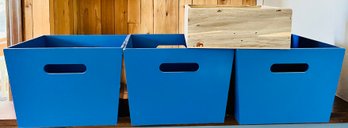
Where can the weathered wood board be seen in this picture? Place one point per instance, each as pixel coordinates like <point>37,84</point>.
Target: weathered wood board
<point>238,27</point>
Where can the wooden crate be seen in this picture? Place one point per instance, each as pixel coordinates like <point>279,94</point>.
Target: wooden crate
<point>238,27</point>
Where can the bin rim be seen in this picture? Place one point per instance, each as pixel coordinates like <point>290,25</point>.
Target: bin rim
<point>123,44</point>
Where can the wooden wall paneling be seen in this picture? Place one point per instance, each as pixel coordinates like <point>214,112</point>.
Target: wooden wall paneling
<point>182,4</point>
<point>27,19</point>
<point>230,2</point>
<point>108,16</point>
<point>146,16</point>
<point>41,14</point>
<point>166,14</point>
<point>224,2</point>
<point>76,10</point>
<point>62,16</point>
<point>52,5</point>
<point>89,17</point>
<point>249,2</point>
<point>204,2</point>
<point>237,2</point>
<point>134,16</point>
<point>121,16</point>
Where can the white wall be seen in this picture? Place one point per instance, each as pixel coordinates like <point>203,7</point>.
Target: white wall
<point>311,18</point>
<point>323,20</point>
<point>341,39</point>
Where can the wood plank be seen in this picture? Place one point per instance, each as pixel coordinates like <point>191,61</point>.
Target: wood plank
<point>182,4</point>
<point>239,28</point>
<point>41,17</point>
<point>76,11</point>
<point>121,16</point>
<point>108,16</point>
<point>249,2</point>
<point>134,16</point>
<point>237,2</point>
<point>166,14</point>
<point>204,2</point>
<point>62,16</point>
<point>146,17</point>
<point>230,2</point>
<point>224,2</point>
<point>27,19</point>
<point>133,28</point>
<point>8,124</point>
<point>51,15</point>
<point>89,17</point>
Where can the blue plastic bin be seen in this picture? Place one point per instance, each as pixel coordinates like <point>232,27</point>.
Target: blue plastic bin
<point>287,86</point>
<point>66,80</point>
<point>175,85</point>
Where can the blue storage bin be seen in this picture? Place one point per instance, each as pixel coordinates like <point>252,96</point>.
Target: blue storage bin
<point>66,80</point>
<point>287,86</point>
<point>175,85</point>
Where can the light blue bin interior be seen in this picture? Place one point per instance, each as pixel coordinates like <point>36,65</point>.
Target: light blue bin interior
<point>287,86</point>
<point>175,85</point>
<point>66,80</point>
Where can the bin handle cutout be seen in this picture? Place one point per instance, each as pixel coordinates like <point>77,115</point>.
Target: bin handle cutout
<point>65,68</point>
<point>179,67</point>
<point>286,68</point>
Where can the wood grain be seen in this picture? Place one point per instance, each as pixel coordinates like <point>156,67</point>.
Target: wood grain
<point>220,27</point>
<point>27,19</point>
<point>166,14</point>
<point>249,2</point>
<point>182,4</point>
<point>89,17</point>
<point>134,16</point>
<point>107,16</point>
<point>230,2</point>
<point>204,2</point>
<point>62,16</point>
<point>41,13</point>
<point>121,16</point>
<point>147,17</point>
